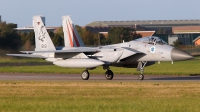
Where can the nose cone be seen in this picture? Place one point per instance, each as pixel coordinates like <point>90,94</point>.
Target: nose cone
<point>178,55</point>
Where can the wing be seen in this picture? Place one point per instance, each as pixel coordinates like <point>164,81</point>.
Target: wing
<point>65,53</point>
<point>26,55</point>
<point>77,50</point>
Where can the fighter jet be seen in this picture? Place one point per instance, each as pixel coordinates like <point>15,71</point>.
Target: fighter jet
<point>133,54</point>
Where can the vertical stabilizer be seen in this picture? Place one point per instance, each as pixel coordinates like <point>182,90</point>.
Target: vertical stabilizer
<point>71,36</point>
<point>42,39</point>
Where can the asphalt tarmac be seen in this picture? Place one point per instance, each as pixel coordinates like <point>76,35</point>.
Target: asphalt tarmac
<point>77,77</point>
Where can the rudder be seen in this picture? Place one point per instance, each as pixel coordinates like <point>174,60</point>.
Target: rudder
<point>42,39</point>
<point>71,36</point>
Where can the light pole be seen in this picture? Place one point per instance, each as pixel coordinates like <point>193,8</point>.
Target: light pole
<point>99,38</point>
<point>121,37</point>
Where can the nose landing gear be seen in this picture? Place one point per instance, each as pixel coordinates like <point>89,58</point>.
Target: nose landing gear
<point>140,68</point>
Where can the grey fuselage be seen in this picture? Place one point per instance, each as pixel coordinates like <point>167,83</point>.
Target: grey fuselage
<point>126,54</point>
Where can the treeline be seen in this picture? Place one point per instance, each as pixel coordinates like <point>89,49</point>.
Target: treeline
<point>11,40</point>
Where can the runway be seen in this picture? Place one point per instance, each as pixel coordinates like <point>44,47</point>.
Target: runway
<point>77,77</point>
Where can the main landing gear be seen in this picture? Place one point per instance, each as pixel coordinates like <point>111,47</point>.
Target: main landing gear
<point>109,74</point>
<point>85,75</point>
<point>141,66</point>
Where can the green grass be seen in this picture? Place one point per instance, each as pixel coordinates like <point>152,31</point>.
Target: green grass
<point>20,60</point>
<point>105,96</point>
<point>190,67</point>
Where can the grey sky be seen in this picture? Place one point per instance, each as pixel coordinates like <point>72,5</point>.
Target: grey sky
<point>86,11</point>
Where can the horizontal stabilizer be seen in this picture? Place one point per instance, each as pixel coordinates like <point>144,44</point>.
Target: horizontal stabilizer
<point>26,55</point>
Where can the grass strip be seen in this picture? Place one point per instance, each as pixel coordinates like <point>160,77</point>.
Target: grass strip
<point>93,96</point>
<point>20,60</point>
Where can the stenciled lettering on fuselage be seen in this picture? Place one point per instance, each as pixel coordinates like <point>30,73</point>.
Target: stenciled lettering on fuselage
<point>41,37</point>
<point>152,49</point>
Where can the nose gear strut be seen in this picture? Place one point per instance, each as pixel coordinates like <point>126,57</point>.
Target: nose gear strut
<point>140,68</point>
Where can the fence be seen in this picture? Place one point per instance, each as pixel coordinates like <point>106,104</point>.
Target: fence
<point>193,50</point>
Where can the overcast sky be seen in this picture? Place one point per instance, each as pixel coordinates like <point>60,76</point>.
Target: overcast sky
<point>86,11</point>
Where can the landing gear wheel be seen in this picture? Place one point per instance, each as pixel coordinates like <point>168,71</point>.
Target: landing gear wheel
<point>85,75</point>
<point>141,77</point>
<point>109,75</point>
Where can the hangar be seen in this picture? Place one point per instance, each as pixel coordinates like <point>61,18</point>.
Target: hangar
<point>30,28</point>
<point>185,31</point>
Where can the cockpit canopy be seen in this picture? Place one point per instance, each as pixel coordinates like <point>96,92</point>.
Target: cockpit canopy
<point>152,40</point>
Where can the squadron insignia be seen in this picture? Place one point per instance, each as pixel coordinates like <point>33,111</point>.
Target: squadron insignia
<point>152,49</point>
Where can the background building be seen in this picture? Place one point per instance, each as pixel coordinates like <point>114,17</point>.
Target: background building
<point>30,28</point>
<point>184,31</point>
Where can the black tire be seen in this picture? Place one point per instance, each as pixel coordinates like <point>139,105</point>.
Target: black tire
<point>141,77</point>
<point>109,75</point>
<point>85,75</point>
